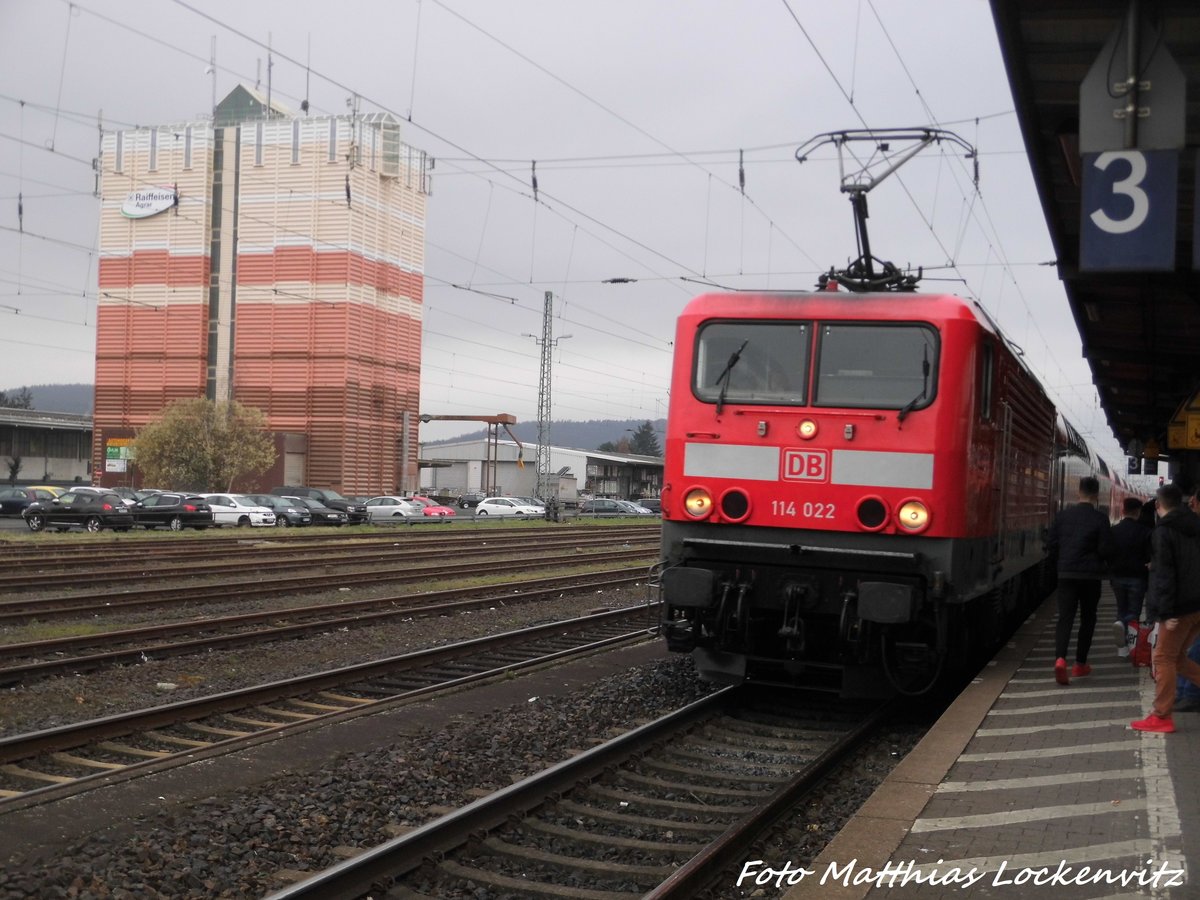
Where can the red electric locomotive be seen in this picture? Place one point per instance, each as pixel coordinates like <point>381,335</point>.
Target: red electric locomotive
<point>856,488</point>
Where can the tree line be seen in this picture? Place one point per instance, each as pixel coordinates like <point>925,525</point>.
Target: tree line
<point>643,443</point>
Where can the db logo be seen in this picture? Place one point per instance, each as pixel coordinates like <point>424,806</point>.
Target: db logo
<point>806,465</point>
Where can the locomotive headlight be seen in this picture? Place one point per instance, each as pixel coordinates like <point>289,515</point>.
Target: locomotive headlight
<point>913,516</point>
<point>807,429</point>
<point>698,503</point>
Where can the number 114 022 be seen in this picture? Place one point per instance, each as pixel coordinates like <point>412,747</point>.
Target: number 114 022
<point>806,510</point>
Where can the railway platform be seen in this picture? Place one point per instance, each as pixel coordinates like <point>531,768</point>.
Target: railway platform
<point>1026,789</point>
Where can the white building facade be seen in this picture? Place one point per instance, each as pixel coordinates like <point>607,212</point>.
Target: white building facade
<point>457,468</point>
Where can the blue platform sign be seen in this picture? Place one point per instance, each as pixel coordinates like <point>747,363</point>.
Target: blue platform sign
<point>1128,212</point>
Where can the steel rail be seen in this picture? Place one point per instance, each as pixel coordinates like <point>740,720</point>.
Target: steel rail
<point>63,737</point>
<point>698,873</point>
<point>192,544</point>
<point>371,873</point>
<point>364,613</point>
<point>215,747</point>
<point>264,554</point>
<point>373,869</point>
<point>15,611</point>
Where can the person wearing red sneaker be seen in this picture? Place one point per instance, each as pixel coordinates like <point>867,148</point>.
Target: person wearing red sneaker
<point>1080,543</point>
<point>1174,602</point>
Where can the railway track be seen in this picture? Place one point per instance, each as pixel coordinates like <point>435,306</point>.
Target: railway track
<point>658,812</point>
<point>22,662</point>
<point>104,603</point>
<point>266,554</point>
<point>57,762</point>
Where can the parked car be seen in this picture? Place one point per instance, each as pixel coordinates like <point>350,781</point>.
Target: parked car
<point>128,494</point>
<point>508,506</point>
<point>234,509</point>
<point>52,488</point>
<point>601,508</point>
<point>654,504</point>
<point>173,510</point>
<point>82,509</point>
<point>430,507</point>
<point>356,513</point>
<point>14,500</point>
<point>471,499</point>
<point>634,509</point>
<point>321,514</point>
<point>288,513</point>
<point>391,509</point>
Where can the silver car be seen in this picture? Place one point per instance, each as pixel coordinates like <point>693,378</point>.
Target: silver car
<point>392,509</point>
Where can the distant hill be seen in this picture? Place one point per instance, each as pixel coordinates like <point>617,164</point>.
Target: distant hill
<point>65,398</point>
<point>581,435</point>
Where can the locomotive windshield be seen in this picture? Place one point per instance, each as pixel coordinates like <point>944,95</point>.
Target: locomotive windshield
<point>877,366</point>
<point>752,362</point>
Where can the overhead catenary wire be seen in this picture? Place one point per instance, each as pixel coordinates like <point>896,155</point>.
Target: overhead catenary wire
<point>992,234</point>
<point>665,277</point>
<point>562,203</point>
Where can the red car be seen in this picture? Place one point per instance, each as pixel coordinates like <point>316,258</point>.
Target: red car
<point>431,507</point>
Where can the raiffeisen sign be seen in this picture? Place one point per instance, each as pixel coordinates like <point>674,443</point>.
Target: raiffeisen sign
<point>147,202</point>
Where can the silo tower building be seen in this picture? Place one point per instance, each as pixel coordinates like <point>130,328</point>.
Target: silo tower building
<point>271,259</point>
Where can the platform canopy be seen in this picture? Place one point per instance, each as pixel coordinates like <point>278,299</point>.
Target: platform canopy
<point>1140,329</point>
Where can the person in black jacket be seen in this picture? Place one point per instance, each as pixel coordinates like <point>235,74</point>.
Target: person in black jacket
<point>1080,541</point>
<point>1129,568</point>
<point>1174,604</point>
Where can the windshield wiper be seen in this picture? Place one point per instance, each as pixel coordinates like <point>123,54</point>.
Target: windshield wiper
<point>724,376</point>
<point>911,404</point>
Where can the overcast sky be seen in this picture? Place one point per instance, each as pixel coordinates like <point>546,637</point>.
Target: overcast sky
<point>635,111</point>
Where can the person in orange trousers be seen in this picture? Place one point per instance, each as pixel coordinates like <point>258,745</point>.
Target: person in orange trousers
<point>1174,603</point>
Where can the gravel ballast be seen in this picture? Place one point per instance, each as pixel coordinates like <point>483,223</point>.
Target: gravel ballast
<point>62,701</point>
<point>234,846</point>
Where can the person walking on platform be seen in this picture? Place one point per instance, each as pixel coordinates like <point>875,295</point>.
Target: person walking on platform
<point>1174,603</point>
<point>1130,569</point>
<point>1080,541</point>
<point>1187,695</point>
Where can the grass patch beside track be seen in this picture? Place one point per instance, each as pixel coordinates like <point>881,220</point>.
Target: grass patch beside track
<point>49,631</point>
<point>230,532</point>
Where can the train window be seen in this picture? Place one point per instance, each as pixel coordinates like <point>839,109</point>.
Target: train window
<point>877,366</point>
<point>985,381</point>
<point>752,362</point>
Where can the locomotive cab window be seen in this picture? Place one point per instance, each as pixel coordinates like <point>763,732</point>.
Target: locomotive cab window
<point>877,366</point>
<point>752,362</point>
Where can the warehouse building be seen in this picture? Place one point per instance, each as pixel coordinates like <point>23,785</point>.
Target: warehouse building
<point>38,447</point>
<point>457,467</point>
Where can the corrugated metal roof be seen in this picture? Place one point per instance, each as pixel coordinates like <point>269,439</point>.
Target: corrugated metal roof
<point>42,419</point>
